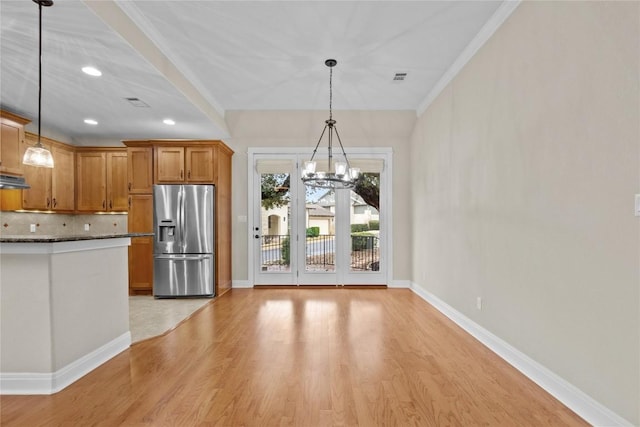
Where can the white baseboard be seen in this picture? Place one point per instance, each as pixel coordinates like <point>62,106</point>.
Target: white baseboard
<point>241,284</point>
<point>49,383</point>
<point>579,402</point>
<point>405,284</point>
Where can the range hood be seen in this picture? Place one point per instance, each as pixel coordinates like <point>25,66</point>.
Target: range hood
<point>8,182</point>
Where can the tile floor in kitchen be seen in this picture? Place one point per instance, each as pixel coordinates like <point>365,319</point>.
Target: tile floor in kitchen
<point>149,317</point>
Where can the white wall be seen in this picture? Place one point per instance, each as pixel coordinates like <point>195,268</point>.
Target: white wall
<point>525,169</point>
<point>302,129</point>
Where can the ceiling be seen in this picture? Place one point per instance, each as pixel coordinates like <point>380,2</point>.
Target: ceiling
<point>194,60</point>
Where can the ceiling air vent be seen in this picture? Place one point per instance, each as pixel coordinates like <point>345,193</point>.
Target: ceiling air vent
<point>399,77</point>
<point>137,102</point>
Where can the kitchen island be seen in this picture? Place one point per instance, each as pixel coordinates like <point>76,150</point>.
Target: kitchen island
<point>64,308</point>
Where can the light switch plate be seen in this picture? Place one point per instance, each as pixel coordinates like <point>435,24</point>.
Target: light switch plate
<point>637,205</point>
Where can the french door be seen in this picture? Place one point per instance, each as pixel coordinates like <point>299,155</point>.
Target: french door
<point>305,236</point>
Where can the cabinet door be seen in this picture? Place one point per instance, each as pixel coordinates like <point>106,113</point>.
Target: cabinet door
<point>117,182</point>
<point>199,164</point>
<point>91,181</point>
<point>11,147</point>
<point>140,220</point>
<point>39,195</point>
<point>62,179</point>
<point>169,164</point>
<point>140,170</point>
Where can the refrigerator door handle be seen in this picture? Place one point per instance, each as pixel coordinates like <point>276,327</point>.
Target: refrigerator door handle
<point>181,218</point>
<point>184,257</point>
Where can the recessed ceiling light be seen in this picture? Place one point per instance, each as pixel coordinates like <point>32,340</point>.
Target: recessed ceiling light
<point>169,122</point>
<point>90,121</point>
<point>92,71</point>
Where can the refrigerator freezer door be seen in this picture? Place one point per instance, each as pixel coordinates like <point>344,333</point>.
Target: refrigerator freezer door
<point>197,219</point>
<point>167,218</point>
<point>183,275</point>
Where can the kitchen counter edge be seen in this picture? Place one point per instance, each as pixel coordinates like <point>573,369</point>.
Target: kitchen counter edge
<point>70,238</point>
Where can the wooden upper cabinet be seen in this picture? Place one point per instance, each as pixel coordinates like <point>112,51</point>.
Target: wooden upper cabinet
<point>91,181</point>
<point>51,189</point>
<point>12,143</point>
<point>184,164</point>
<point>39,179</point>
<point>140,170</point>
<point>63,178</point>
<point>117,182</point>
<point>169,164</point>
<point>101,180</point>
<point>199,164</point>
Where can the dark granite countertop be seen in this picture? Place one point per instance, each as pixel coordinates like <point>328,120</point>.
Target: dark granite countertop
<point>71,238</point>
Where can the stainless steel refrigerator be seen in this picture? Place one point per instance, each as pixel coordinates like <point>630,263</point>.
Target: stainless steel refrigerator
<point>183,218</point>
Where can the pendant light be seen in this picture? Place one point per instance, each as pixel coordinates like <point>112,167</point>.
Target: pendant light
<point>38,155</point>
<point>339,174</point>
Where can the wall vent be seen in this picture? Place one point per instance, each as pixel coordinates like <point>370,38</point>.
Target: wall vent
<point>137,102</point>
<point>399,77</point>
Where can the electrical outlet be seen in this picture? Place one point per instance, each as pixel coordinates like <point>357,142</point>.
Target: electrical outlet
<point>86,227</point>
<point>479,303</point>
<point>32,228</point>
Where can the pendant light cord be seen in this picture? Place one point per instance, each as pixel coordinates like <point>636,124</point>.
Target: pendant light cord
<point>330,93</point>
<point>39,72</point>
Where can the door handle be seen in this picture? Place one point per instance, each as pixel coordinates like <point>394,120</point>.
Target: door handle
<point>189,175</point>
<point>54,202</point>
<point>129,186</point>
<point>181,173</point>
<point>48,202</point>
<point>110,204</point>
<point>257,236</point>
<point>184,258</point>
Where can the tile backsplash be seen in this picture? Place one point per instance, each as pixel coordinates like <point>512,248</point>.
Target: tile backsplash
<point>19,223</point>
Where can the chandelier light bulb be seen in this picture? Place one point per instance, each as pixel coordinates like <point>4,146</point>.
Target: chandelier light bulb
<point>341,169</point>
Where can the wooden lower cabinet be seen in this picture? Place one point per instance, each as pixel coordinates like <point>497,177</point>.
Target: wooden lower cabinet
<point>141,266</point>
<point>140,220</point>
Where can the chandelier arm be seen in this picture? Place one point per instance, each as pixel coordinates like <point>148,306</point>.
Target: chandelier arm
<point>318,144</point>
<point>342,148</point>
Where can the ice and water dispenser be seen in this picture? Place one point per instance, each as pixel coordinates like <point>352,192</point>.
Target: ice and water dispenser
<point>167,231</point>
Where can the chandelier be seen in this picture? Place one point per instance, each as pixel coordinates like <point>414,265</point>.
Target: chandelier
<point>339,174</point>
<point>38,155</point>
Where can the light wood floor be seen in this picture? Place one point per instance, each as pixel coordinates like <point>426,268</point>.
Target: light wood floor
<point>304,357</point>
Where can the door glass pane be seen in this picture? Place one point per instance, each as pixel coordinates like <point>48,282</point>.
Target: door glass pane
<point>320,209</point>
<point>275,214</point>
<point>365,223</point>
